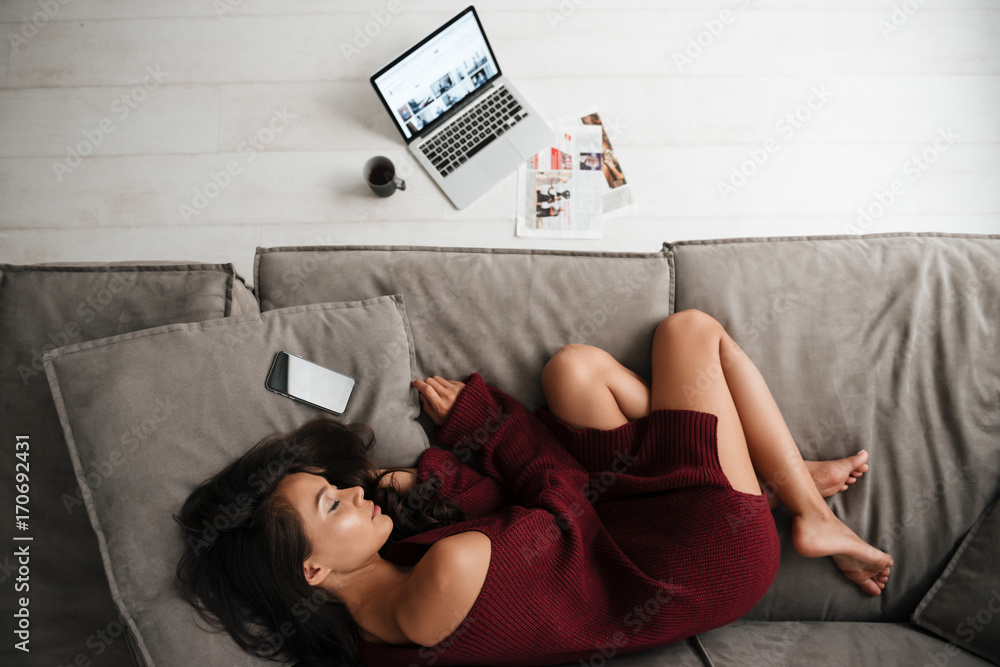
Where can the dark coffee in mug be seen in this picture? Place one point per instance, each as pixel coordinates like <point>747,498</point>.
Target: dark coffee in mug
<point>380,174</point>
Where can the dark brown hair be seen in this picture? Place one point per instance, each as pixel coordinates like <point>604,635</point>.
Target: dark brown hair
<point>245,546</point>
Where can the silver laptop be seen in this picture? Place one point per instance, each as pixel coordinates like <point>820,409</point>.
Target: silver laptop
<point>465,122</point>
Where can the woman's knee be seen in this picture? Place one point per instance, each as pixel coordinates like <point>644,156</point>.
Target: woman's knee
<point>571,362</point>
<point>689,323</point>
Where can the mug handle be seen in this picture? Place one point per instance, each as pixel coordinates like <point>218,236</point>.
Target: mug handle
<point>399,183</point>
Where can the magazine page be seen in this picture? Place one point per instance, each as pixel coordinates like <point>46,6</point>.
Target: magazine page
<point>616,195</point>
<point>560,188</point>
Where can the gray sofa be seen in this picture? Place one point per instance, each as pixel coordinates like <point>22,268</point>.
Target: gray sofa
<point>131,381</point>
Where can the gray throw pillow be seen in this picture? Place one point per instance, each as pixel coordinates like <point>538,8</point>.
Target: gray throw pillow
<point>963,605</point>
<point>150,414</point>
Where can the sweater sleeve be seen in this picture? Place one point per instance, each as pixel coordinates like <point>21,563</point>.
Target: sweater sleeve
<point>512,445</point>
<point>477,495</point>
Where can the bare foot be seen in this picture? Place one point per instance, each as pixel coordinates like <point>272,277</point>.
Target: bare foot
<point>830,476</point>
<point>829,536</point>
<point>833,476</point>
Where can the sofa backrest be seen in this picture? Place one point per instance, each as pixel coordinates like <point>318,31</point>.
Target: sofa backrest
<point>501,313</point>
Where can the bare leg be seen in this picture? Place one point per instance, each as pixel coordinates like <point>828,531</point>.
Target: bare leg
<point>587,387</point>
<point>698,366</point>
<point>828,476</point>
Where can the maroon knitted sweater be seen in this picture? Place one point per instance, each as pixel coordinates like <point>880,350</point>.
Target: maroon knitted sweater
<point>604,542</point>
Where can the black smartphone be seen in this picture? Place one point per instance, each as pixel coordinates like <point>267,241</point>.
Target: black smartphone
<point>309,383</point>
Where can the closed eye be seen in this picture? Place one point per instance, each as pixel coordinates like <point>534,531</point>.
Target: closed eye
<point>332,506</point>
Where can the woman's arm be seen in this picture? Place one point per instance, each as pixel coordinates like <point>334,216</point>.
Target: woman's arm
<point>511,444</point>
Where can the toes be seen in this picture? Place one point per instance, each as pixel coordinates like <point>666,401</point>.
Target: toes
<point>870,587</point>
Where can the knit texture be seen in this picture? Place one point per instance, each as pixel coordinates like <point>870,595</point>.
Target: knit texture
<point>604,542</point>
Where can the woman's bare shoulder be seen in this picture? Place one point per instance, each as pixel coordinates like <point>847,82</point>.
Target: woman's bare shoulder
<point>471,543</point>
<point>446,584</point>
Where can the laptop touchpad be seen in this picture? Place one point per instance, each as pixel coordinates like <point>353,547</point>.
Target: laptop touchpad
<point>498,158</point>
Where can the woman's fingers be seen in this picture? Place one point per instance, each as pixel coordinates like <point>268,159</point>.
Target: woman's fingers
<point>439,387</point>
<point>429,399</point>
<point>448,387</point>
<point>422,386</point>
<point>440,384</point>
<point>443,387</point>
<point>432,391</point>
<point>438,392</point>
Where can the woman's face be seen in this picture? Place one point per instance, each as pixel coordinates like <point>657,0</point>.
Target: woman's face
<point>339,524</point>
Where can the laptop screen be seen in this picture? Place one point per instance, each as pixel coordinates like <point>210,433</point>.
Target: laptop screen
<point>425,82</point>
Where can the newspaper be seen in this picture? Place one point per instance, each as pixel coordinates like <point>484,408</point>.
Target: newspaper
<point>569,189</point>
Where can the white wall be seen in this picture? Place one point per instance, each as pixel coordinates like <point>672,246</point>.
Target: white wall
<point>888,81</point>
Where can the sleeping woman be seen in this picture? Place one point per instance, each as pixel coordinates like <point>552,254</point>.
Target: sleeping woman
<point>622,515</point>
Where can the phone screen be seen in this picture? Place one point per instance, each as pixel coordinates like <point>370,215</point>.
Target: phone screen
<point>309,382</point>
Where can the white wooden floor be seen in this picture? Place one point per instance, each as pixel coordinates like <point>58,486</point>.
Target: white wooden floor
<point>853,97</point>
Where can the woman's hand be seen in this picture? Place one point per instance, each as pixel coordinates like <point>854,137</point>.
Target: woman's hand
<point>437,396</point>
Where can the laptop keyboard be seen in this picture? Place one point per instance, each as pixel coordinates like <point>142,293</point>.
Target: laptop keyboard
<point>472,131</point>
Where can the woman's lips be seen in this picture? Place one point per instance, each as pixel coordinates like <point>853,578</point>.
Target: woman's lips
<point>376,510</point>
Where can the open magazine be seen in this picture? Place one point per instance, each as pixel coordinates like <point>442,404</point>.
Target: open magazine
<point>567,190</point>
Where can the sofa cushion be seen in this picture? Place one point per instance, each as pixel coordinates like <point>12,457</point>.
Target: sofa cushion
<point>685,653</point>
<point>963,606</point>
<point>499,312</point>
<point>797,643</point>
<point>889,343</point>
<point>151,414</point>
<point>73,618</point>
